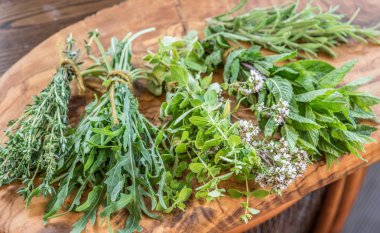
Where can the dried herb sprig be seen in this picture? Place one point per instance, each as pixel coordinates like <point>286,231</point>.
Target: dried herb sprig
<point>36,141</point>
<point>112,150</point>
<point>286,28</point>
<point>303,102</point>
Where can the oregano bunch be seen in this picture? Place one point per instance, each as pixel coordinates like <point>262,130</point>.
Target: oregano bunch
<point>286,28</point>
<point>198,137</point>
<point>36,140</point>
<point>112,151</point>
<point>303,102</point>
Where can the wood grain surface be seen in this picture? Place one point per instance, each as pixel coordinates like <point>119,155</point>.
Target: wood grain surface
<point>31,73</point>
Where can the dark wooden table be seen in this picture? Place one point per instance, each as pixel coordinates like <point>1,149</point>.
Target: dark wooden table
<point>24,24</point>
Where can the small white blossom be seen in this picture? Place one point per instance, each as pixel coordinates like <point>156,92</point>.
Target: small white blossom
<point>248,131</point>
<point>282,165</point>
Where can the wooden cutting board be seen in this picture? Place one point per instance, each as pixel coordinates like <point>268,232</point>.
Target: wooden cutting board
<point>31,74</point>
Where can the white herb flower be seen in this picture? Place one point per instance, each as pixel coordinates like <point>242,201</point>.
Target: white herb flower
<point>281,166</point>
<point>247,130</point>
<point>256,80</point>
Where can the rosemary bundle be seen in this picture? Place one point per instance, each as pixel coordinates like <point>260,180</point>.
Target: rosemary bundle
<point>286,28</point>
<point>303,102</point>
<point>36,141</point>
<point>112,150</point>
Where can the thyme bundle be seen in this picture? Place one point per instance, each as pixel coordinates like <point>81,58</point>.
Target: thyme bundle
<point>287,28</point>
<point>112,150</point>
<point>36,141</point>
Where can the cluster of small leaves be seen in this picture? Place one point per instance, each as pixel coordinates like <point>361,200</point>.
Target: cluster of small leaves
<point>323,119</point>
<point>187,51</point>
<point>118,163</point>
<point>286,28</point>
<point>199,138</point>
<point>36,141</point>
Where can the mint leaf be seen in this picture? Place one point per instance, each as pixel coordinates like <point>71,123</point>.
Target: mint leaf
<point>280,88</point>
<point>336,76</point>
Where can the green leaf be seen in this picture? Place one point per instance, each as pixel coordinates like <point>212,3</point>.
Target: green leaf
<point>181,148</point>
<point>234,141</point>
<point>227,110</point>
<point>346,135</point>
<point>281,57</point>
<point>291,136</point>
<point>260,193</point>
<point>234,193</point>
<point>227,67</point>
<point>206,81</point>
<point>335,102</point>
<point>280,88</point>
<point>336,76</point>
<point>302,123</point>
<point>311,95</point>
<point>211,143</point>
<point>184,194</point>
<point>270,127</point>
<point>198,121</point>
<point>92,199</point>
<point>178,74</point>
<point>196,167</point>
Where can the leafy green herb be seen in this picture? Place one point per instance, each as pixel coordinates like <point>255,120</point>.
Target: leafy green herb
<point>302,102</point>
<point>200,138</point>
<point>112,151</point>
<point>36,141</point>
<point>286,28</point>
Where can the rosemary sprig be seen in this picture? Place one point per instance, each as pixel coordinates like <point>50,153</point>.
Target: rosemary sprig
<point>287,28</point>
<point>112,151</point>
<point>36,141</point>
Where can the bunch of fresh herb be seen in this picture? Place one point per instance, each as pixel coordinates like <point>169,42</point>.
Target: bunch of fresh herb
<point>286,28</point>
<point>112,150</point>
<point>302,102</point>
<point>36,141</point>
<point>200,138</point>
<point>188,51</point>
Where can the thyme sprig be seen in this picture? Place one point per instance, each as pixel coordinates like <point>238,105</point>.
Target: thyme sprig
<point>36,141</point>
<point>112,151</point>
<point>286,28</point>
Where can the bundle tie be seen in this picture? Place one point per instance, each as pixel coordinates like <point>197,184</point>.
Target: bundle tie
<point>76,71</point>
<point>123,78</point>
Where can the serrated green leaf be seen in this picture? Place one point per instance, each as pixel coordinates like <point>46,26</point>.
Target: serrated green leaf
<point>280,88</point>
<point>302,123</point>
<point>333,78</point>
<point>290,135</point>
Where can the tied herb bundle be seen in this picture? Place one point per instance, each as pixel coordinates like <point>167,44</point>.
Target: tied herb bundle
<point>112,151</point>
<point>286,28</point>
<point>200,139</point>
<point>303,102</point>
<point>36,141</point>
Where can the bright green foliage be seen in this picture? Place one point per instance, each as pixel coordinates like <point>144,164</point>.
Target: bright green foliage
<point>187,52</point>
<point>323,118</point>
<point>36,141</point>
<point>200,140</point>
<point>282,29</point>
<point>118,163</point>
